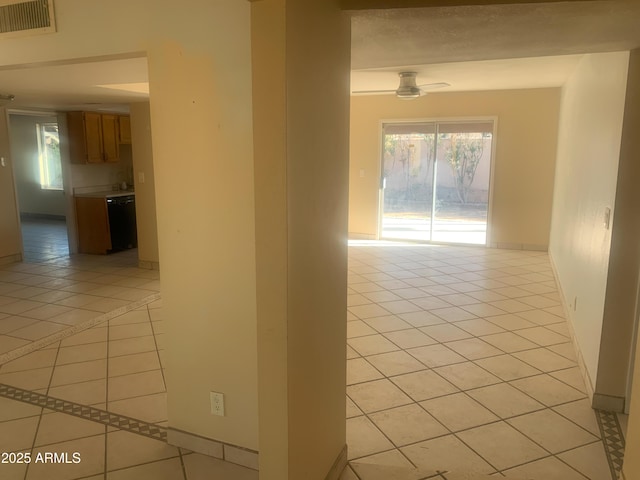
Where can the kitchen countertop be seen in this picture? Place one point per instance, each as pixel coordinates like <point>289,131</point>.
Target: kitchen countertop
<point>106,194</point>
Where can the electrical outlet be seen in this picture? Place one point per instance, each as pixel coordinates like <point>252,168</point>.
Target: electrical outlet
<point>217,403</point>
<point>140,177</point>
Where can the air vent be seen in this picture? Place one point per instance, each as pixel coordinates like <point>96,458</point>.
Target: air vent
<point>26,18</point>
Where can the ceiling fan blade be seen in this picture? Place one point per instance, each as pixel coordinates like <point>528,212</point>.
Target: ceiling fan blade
<point>433,86</point>
<point>364,92</point>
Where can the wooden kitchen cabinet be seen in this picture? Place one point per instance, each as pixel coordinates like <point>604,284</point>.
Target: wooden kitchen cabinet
<point>85,137</point>
<point>92,219</point>
<point>93,137</point>
<point>110,138</point>
<point>124,124</point>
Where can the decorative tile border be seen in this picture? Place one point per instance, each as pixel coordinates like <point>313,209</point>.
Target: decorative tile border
<point>87,413</point>
<point>613,440</point>
<point>67,332</point>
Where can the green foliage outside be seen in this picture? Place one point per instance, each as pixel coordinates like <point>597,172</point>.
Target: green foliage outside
<point>463,154</point>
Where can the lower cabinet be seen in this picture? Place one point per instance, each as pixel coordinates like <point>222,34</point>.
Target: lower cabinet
<point>92,219</point>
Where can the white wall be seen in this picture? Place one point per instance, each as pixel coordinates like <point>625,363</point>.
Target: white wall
<point>24,151</point>
<point>589,138</point>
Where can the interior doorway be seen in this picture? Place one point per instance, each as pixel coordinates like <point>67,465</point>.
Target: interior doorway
<point>436,181</point>
<point>39,181</point>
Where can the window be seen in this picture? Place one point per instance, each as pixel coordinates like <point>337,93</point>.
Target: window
<point>49,156</point>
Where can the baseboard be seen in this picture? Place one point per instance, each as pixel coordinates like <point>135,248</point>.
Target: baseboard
<point>574,339</point>
<point>362,236</point>
<point>582,365</point>
<point>338,466</point>
<point>519,246</point>
<point>148,265</point>
<point>535,248</point>
<point>213,448</point>
<point>608,403</point>
<point>11,259</point>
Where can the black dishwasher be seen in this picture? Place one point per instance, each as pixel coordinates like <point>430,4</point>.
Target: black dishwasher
<point>122,222</point>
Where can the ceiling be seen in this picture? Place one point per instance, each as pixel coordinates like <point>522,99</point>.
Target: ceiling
<point>487,47</point>
<point>470,47</point>
<point>108,85</point>
<point>536,72</point>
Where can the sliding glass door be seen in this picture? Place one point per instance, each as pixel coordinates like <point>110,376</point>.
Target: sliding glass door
<point>408,167</point>
<point>435,181</point>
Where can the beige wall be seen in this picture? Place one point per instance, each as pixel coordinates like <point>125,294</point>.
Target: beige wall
<point>268,42</point>
<point>586,176</point>
<point>199,73</point>
<point>201,117</point>
<point>301,222</point>
<point>631,465</point>
<point>525,145</point>
<point>628,215</point>
<point>318,61</point>
<point>141,145</point>
<point>624,263</point>
<point>199,76</point>
<point>10,238</point>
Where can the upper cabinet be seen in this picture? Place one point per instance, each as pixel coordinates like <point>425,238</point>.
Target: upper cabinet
<point>95,137</point>
<point>125,129</point>
<point>110,136</point>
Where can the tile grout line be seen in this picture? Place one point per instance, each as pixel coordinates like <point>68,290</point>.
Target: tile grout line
<point>155,342</point>
<point>35,437</point>
<point>106,400</point>
<point>182,465</point>
<point>541,372</point>
<point>72,330</point>
<point>545,348</point>
<point>500,420</point>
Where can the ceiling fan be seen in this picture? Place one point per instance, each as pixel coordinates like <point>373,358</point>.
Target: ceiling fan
<point>408,88</point>
<point>4,99</point>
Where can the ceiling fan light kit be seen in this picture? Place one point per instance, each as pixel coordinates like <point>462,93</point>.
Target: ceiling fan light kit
<point>408,88</point>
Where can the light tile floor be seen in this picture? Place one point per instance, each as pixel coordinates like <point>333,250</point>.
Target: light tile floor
<point>117,368</point>
<point>458,361</point>
<point>39,299</point>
